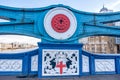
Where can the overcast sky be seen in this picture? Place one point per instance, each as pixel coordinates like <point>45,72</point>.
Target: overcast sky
<point>83,5</point>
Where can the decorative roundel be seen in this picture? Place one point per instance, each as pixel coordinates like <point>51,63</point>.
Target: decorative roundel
<point>60,23</point>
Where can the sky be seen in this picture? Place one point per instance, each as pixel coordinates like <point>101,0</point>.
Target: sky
<point>82,5</point>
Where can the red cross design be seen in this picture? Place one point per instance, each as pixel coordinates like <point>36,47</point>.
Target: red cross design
<point>61,66</point>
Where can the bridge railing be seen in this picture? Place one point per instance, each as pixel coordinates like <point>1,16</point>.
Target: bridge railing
<point>77,61</point>
<point>58,60</point>
<point>17,64</point>
<point>100,63</point>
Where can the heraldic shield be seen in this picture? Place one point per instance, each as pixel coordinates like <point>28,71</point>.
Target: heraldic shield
<point>59,61</point>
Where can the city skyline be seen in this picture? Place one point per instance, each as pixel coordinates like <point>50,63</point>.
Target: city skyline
<point>18,38</point>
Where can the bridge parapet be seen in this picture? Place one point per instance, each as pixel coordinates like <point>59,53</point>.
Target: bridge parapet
<point>58,60</point>
<point>18,64</point>
<point>60,27</point>
<point>77,61</point>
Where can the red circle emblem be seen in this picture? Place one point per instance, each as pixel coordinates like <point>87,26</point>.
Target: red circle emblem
<point>60,23</point>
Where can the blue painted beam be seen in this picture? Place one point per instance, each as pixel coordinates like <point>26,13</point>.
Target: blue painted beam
<point>31,22</point>
<point>108,17</point>
<point>99,29</point>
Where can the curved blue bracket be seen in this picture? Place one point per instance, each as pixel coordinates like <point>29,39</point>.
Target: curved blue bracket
<point>30,22</point>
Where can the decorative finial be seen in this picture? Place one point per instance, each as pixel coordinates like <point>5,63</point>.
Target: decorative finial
<point>103,5</point>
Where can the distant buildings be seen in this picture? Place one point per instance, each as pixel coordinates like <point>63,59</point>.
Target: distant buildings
<point>105,10</point>
<point>103,44</point>
<point>100,44</point>
<point>15,45</point>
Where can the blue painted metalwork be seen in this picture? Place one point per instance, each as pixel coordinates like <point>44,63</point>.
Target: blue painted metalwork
<point>30,22</point>
<point>56,47</point>
<point>91,58</point>
<point>26,60</point>
<point>24,56</point>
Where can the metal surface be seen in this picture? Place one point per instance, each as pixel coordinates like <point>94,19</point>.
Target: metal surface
<point>41,23</point>
<point>30,22</point>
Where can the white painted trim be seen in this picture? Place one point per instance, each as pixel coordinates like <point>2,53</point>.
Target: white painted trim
<point>85,63</point>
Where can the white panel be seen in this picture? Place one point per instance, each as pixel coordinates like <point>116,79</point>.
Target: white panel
<point>85,63</point>
<point>10,65</point>
<point>102,65</point>
<point>60,62</point>
<point>34,63</point>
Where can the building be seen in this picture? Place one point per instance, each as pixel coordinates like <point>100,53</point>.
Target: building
<point>105,10</point>
<point>100,44</point>
<point>15,46</point>
<point>103,44</point>
<point>117,39</point>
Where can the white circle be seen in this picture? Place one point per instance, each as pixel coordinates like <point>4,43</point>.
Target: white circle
<point>48,25</point>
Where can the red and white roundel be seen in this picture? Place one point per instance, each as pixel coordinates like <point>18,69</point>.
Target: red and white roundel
<point>60,23</point>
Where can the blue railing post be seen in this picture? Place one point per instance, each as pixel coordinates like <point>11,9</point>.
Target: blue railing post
<point>26,63</point>
<point>92,65</point>
<point>117,64</point>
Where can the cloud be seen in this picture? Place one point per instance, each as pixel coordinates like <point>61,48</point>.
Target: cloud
<point>113,5</point>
